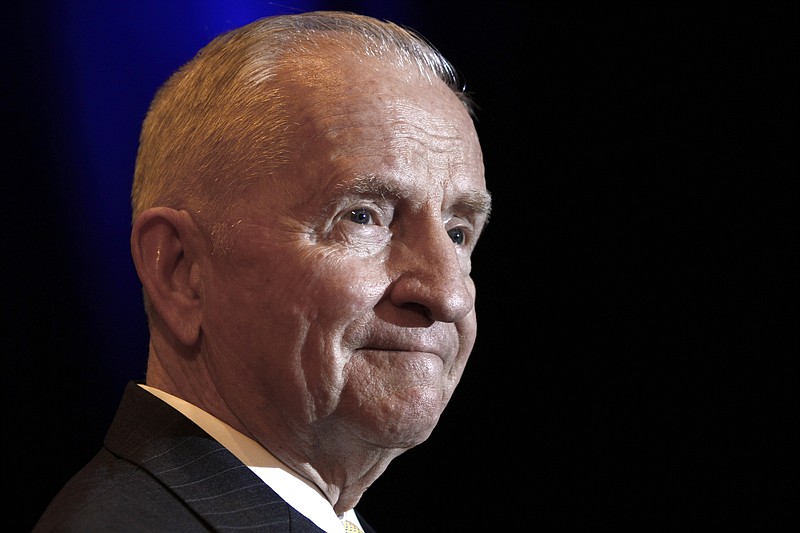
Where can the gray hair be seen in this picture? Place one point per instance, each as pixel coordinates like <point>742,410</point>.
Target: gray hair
<point>220,121</point>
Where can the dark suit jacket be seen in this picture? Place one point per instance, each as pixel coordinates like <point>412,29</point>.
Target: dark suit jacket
<point>158,471</point>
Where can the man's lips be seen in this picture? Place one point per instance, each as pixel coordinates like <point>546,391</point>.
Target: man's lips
<point>405,346</point>
<point>432,342</point>
<point>399,351</point>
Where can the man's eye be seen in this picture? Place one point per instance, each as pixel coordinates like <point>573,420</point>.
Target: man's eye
<point>457,235</point>
<point>360,216</point>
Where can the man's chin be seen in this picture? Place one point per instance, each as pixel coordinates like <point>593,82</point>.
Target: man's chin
<point>402,428</point>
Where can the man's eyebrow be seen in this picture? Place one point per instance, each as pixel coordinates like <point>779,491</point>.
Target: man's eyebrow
<point>476,201</point>
<point>372,185</point>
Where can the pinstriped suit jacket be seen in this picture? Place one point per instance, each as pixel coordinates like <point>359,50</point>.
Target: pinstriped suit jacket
<point>158,471</point>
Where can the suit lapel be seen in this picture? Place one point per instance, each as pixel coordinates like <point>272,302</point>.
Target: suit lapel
<point>197,469</point>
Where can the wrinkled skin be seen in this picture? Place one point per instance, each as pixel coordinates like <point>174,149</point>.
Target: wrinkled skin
<point>337,325</point>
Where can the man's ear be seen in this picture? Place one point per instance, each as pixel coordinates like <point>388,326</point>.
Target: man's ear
<point>166,245</point>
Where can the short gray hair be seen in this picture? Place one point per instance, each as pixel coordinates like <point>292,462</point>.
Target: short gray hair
<point>220,121</point>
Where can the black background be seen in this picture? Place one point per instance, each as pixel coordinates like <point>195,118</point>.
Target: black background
<point>637,283</point>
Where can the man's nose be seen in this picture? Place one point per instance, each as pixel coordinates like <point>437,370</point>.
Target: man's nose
<point>431,273</point>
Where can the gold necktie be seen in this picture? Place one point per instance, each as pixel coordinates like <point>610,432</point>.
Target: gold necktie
<point>350,527</point>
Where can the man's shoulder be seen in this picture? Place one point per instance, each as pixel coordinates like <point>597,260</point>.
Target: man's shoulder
<point>112,494</point>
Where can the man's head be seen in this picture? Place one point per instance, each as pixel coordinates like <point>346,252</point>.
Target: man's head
<point>308,193</point>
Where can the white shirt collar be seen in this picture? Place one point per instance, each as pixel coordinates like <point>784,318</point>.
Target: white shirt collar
<point>296,490</point>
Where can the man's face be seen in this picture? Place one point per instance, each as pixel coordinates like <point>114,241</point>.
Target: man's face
<point>345,302</point>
